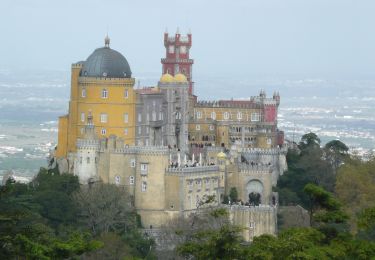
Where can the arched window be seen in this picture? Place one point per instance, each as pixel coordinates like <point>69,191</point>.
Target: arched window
<point>226,115</point>
<point>83,93</point>
<point>239,115</point>
<point>117,180</point>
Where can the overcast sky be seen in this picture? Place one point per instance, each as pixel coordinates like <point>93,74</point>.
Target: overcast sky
<point>318,38</point>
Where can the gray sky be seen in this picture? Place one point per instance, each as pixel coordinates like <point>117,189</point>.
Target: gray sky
<point>321,38</point>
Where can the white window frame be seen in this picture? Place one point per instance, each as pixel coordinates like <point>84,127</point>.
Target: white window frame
<point>126,93</point>
<point>117,180</point>
<point>83,116</point>
<point>103,131</point>
<point>83,92</point>
<point>126,131</point>
<point>103,117</point>
<point>126,118</point>
<point>144,186</point>
<point>198,127</point>
<point>239,115</point>
<point>269,140</point>
<point>132,163</point>
<point>139,117</point>
<point>144,168</point>
<point>212,128</point>
<point>213,115</point>
<point>226,115</point>
<point>199,114</point>
<point>104,93</point>
<point>255,117</point>
<point>131,180</point>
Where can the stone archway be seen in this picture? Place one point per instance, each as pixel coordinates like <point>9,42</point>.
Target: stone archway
<point>254,190</point>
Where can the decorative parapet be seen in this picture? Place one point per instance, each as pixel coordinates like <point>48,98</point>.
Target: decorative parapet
<point>248,168</point>
<point>149,150</point>
<point>192,170</point>
<point>105,80</point>
<point>87,144</point>
<point>260,208</point>
<point>265,151</point>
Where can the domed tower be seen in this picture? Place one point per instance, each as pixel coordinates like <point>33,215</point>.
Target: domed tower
<point>103,86</point>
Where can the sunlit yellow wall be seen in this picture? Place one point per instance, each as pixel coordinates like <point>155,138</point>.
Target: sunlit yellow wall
<point>115,106</point>
<point>62,137</point>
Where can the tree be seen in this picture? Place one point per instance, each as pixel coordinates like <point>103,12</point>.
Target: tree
<point>355,187</point>
<point>336,152</point>
<point>233,194</point>
<point>105,208</point>
<point>309,141</point>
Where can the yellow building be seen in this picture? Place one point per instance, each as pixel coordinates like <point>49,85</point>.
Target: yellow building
<point>101,87</point>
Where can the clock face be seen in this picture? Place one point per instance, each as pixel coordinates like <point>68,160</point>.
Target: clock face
<point>171,49</point>
<point>183,49</point>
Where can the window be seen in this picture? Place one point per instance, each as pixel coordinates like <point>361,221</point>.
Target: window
<point>199,184</point>
<point>131,180</point>
<point>252,225</point>
<point>126,118</point>
<point>83,93</point>
<point>126,93</point>
<point>104,93</point>
<point>239,115</point>
<point>269,141</point>
<point>144,186</point>
<point>255,117</point>
<point>147,117</point>
<point>117,179</point>
<point>213,115</point>
<point>132,163</point>
<point>125,131</point>
<point>212,128</point>
<point>171,50</point>
<point>103,132</point>
<point>197,127</point>
<point>82,117</point>
<point>147,129</point>
<point>80,160</point>
<point>139,117</point>
<point>88,160</point>
<point>144,168</point>
<point>199,114</point>
<point>226,115</point>
<point>153,116</point>
<point>139,130</point>
<point>103,118</point>
<point>147,142</point>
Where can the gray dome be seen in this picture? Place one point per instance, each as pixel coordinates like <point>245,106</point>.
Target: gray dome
<point>105,62</point>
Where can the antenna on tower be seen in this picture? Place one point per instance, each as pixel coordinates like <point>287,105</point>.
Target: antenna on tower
<point>107,40</point>
<point>178,31</point>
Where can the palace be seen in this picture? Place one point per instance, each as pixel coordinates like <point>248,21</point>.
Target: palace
<point>168,148</point>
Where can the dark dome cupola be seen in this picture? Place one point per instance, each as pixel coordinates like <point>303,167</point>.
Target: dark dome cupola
<point>105,62</point>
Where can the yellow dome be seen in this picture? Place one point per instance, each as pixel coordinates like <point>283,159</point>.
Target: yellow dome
<point>221,155</point>
<point>180,78</point>
<point>167,78</point>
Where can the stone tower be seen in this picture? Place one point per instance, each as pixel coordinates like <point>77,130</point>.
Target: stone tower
<point>177,59</point>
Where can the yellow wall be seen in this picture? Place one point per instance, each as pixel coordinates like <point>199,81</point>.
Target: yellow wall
<point>62,137</point>
<point>115,106</point>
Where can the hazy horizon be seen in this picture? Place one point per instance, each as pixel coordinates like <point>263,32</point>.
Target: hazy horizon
<point>322,39</point>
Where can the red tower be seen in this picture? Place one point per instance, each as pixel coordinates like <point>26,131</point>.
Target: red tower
<point>177,59</point>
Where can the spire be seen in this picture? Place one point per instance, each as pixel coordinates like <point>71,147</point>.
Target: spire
<point>107,41</point>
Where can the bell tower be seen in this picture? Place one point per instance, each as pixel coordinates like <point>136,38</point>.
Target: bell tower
<point>177,59</point>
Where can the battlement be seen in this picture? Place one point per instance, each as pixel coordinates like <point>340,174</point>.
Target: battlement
<point>149,150</point>
<point>264,151</point>
<point>256,168</point>
<point>192,170</point>
<point>260,208</point>
<point>105,80</point>
<point>87,144</point>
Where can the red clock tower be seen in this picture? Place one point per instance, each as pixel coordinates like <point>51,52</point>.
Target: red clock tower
<point>177,56</point>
